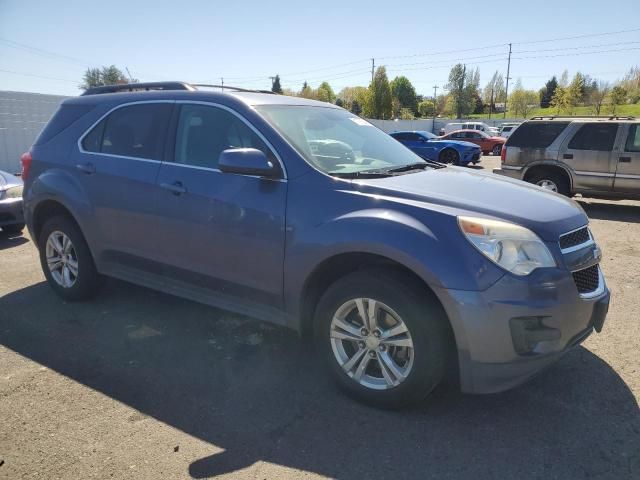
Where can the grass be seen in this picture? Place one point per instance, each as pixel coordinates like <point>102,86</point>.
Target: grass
<point>622,110</point>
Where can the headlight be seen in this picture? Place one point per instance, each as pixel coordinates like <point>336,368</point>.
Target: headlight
<point>513,247</point>
<point>13,192</point>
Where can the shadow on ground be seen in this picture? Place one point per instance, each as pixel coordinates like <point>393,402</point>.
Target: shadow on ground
<point>10,240</point>
<point>610,211</point>
<point>257,392</point>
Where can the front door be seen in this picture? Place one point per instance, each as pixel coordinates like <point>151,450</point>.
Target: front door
<point>628,169</point>
<point>589,154</point>
<point>220,231</point>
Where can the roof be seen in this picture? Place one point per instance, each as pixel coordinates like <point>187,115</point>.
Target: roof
<point>184,91</point>
<point>584,118</point>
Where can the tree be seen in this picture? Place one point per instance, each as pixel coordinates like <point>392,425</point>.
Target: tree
<point>631,83</point>
<point>403,90</point>
<point>560,100</point>
<point>494,91</point>
<point>349,94</point>
<point>427,108</point>
<point>275,86</point>
<point>521,101</point>
<point>380,95</point>
<point>307,92</point>
<point>598,95</point>
<point>324,93</point>
<point>355,108</point>
<point>98,77</point>
<point>547,92</point>
<point>339,102</point>
<point>618,96</point>
<point>576,90</point>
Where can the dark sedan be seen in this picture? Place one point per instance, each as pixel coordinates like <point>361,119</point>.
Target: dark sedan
<point>11,217</point>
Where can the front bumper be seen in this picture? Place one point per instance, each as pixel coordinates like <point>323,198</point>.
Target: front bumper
<point>11,211</point>
<point>489,327</point>
<point>471,156</point>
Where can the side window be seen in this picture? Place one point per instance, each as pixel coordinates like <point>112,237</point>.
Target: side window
<point>414,137</point>
<point>633,139</point>
<point>536,134</point>
<point>595,136</point>
<point>477,136</point>
<point>135,131</point>
<point>204,132</point>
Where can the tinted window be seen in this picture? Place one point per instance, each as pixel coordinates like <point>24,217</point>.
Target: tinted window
<point>136,131</point>
<point>400,136</point>
<point>536,134</point>
<point>65,116</point>
<point>594,136</point>
<point>633,139</point>
<point>204,132</point>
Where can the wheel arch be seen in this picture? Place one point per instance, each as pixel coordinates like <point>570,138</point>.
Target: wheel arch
<point>548,166</point>
<point>46,209</point>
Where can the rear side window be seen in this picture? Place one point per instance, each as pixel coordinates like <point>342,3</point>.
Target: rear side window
<point>137,131</point>
<point>594,136</point>
<point>536,134</point>
<point>65,116</point>
<point>633,139</point>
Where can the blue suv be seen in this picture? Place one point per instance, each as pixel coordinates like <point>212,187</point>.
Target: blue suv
<point>429,146</point>
<point>299,213</point>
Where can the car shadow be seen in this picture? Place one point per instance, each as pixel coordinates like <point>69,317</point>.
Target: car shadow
<point>258,392</point>
<point>10,240</point>
<point>610,211</point>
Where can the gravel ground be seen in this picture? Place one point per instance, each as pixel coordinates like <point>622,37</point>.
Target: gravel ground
<point>138,384</point>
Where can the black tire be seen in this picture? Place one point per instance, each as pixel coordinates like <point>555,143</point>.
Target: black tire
<point>558,179</point>
<point>429,333</point>
<point>88,281</point>
<point>450,156</point>
<point>497,149</point>
<point>15,228</point>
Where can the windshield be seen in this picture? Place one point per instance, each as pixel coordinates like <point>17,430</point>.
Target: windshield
<point>429,135</point>
<point>336,141</point>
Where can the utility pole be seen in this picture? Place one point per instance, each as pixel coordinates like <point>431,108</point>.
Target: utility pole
<point>460,90</point>
<point>129,73</point>
<point>491,101</point>
<point>373,67</point>
<point>222,82</point>
<point>435,108</point>
<point>506,91</point>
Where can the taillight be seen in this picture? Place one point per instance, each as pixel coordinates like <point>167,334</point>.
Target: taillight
<point>25,160</point>
<point>503,154</point>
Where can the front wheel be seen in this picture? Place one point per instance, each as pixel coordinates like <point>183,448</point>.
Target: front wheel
<point>383,338</point>
<point>497,149</point>
<point>449,156</point>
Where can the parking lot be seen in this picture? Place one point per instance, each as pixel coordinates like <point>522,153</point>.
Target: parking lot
<point>139,384</point>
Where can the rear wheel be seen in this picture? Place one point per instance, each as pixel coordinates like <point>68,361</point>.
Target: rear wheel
<point>550,180</point>
<point>66,260</point>
<point>383,339</point>
<point>450,156</point>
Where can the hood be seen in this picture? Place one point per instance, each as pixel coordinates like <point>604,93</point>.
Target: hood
<point>457,142</point>
<point>8,180</point>
<point>471,192</point>
<point>498,138</point>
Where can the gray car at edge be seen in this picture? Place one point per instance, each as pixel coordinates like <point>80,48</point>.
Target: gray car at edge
<point>404,271</point>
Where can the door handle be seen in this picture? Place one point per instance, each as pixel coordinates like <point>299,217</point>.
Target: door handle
<point>88,168</point>
<point>625,159</point>
<point>567,156</point>
<point>176,187</point>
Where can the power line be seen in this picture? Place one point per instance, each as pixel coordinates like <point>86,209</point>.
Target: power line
<point>578,36</point>
<point>39,76</point>
<point>579,47</point>
<point>577,53</point>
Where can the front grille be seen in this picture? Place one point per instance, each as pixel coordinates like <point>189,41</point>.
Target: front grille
<point>587,280</point>
<point>574,238</point>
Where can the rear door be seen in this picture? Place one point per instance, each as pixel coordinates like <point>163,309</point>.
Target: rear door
<point>117,163</point>
<point>589,153</point>
<point>627,178</point>
<point>220,231</point>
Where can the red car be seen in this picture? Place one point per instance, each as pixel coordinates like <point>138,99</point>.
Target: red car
<point>487,143</point>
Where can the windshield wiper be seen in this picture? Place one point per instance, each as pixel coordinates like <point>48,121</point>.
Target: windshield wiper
<point>361,174</point>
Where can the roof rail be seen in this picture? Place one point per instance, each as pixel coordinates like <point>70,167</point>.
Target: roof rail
<point>229,87</point>
<point>135,87</point>
<point>603,117</point>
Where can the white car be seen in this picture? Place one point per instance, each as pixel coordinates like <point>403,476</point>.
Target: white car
<point>506,129</point>
<point>483,127</point>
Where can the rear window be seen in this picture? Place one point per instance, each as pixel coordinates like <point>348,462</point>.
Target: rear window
<point>65,116</point>
<point>536,134</point>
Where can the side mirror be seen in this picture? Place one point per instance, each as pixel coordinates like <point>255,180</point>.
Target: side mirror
<point>246,161</point>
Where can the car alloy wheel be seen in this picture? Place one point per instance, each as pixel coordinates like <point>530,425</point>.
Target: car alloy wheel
<point>449,156</point>
<point>371,343</point>
<point>547,185</point>
<point>62,259</point>
<point>497,150</point>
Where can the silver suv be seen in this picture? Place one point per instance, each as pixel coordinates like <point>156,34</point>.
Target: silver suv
<point>594,156</point>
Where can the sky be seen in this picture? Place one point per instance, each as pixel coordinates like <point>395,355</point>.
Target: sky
<point>46,46</point>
